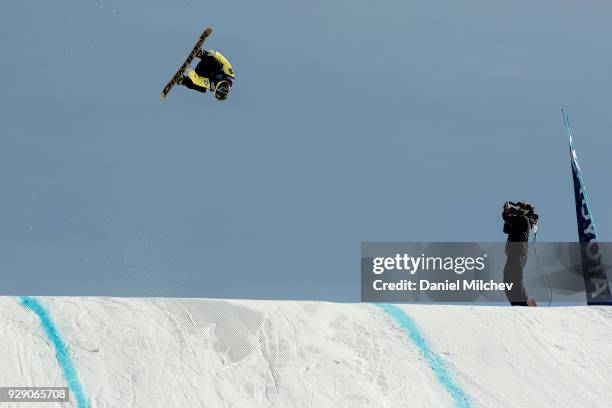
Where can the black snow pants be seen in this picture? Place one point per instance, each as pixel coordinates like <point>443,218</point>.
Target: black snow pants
<point>516,258</point>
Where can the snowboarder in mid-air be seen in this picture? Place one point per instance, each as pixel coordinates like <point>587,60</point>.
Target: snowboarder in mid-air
<point>213,73</point>
<point>519,220</point>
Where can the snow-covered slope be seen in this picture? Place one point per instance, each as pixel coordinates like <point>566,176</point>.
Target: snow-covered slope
<point>118,352</point>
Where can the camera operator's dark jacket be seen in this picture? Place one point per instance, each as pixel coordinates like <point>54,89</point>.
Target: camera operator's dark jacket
<point>517,226</point>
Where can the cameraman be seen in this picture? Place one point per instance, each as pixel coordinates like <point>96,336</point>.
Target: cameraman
<point>519,220</point>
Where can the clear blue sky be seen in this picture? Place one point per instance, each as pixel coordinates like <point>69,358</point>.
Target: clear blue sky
<point>350,121</point>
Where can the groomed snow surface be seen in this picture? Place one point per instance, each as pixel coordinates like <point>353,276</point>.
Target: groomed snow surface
<point>120,352</point>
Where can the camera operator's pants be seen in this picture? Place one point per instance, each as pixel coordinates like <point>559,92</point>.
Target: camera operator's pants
<point>513,273</point>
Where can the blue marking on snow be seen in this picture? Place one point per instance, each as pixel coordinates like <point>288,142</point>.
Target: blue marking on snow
<point>436,363</point>
<point>61,351</point>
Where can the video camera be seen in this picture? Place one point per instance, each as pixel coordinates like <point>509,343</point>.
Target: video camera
<point>518,208</point>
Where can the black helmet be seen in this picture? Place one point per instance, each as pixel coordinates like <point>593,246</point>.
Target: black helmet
<point>222,90</point>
